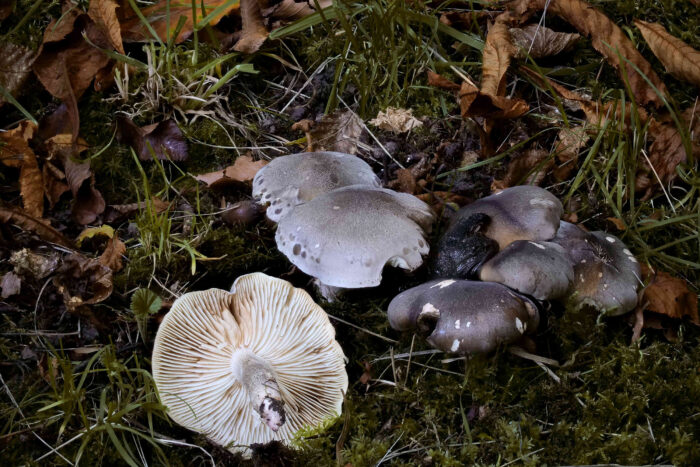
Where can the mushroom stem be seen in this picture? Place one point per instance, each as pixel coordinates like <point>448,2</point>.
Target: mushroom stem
<point>259,379</point>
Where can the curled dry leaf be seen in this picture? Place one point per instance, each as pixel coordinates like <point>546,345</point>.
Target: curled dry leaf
<point>15,152</point>
<point>670,296</point>
<point>441,82</point>
<point>112,255</point>
<point>396,120</point>
<point>20,218</point>
<point>133,29</point>
<point>103,13</point>
<point>83,281</point>
<point>680,59</point>
<point>607,38</point>
<point>14,144</point>
<point>15,67</point>
<point>570,141</point>
<point>295,9</point>
<point>665,154</point>
<point>164,138</point>
<point>539,41</point>
<point>529,168</point>
<point>254,32</point>
<point>243,170</point>
<point>34,265</point>
<point>339,131</point>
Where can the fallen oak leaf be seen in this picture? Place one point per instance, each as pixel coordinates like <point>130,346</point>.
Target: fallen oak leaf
<point>669,296</point>
<point>20,218</point>
<point>539,41</point>
<point>680,59</point>
<point>243,170</point>
<point>164,139</point>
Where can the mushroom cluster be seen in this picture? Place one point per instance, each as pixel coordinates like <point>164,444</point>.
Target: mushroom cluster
<point>250,366</point>
<point>501,256</point>
<point>335,222</point>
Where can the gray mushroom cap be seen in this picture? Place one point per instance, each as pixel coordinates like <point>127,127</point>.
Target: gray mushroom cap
<point>524,212</point>
<point>346,237</point>
<point>540,269</point>
<point>461,316</point>
<point>298,178</point>
<point>606,273</point>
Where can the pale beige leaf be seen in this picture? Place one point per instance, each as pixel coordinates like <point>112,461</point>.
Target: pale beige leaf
<point>396,120</point>
<point>680,59</point>
<point>243,170</point>
<point>539,41</point>
<point>254,32</point>
<point>497,53</point>
<point>339,131</point>
<point>31,184</point>
<point>112,256</point>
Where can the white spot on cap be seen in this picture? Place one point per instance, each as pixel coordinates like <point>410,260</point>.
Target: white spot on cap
<point>627,252</point>
<point>443,284</point>
<point>600,274</point>
<point>583,261</point>
<point>429,308</point>
<point>610,239</point>
<point>457,324</point>
<point>335,208</point>
<point>298,228</point>
<point>582,279</point>
<point>633,259</point>
<point>541,247</point>
<point>542,202</point>
<point>318,245</point>
<point>520,325</point>
<point>455,345</point>
<point>469,324</point>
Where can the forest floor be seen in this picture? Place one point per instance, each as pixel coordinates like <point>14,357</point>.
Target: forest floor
<point>105,129</point>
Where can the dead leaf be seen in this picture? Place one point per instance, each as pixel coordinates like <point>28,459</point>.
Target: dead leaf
<point>665,154</point>
<point>607,38</point>
<point>405,181</point>
<point>254,32</point>
<point>396,120</point>
<point>91,232</point>
<point>18,217</point>
<point>569,145</point>
<point>15,67</point>
<point>31,183</point>
<point>29,264</point>
<point>103,13</point>
<point>83,281</point>
<point>474,103</point>
<point>293,10</point>
<point>519,168</point>
<point>10,284</point>
<point>617,222</point>
<point>438,199</point>
<point>14,144</point>
<point>441,82</point>
<point>54,185</point>
<point>133,29</point>
<point>680,59</point>
<point>339,131</point>
<point>112,255</point>
<point>164,138</point>
<point>116,212</point>
<point>243,170</point>
<point>539,41</point>
<point>670,296</point>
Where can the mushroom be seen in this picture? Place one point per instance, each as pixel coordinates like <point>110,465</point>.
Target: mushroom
<point>522,212</point>
<point>463,248</point>
<point>346,237</point>
<point>461,316</point>
<point>298,178</point>
<point>606,273</point>
<point>250,366</point>
<point>539,269</point>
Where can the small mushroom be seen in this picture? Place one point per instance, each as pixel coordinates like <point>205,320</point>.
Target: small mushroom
<point>298,178</point>
<point>250,366</point>
<point>606,273</point>
<point>539,269</point>
<point>522,212</point>
<point>346,237</point>
<point>461,316</point>
<point>463,248</point>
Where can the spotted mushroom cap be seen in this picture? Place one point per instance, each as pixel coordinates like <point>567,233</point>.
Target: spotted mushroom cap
<point>298,178</point>
<point>606,273</point>
<point>540,269</point>
<point>524,212</point>
<point>199,342</point>
<point>462,316</point>
<point>346,237</point>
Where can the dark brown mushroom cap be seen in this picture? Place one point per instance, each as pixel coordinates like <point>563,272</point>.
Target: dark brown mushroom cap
<point>522,212</point>
<point>606,273</point>
<point>540,269</point>
<point>461,316</point>
<point>298,178</point>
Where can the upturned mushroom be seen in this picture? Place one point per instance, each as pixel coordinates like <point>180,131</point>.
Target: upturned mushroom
<point>250,366</point>
<point>346,237</point>
<point>539,269</point>
<point>463,317</point>
<point>523,212</point>
<point>298,178</point>
<point>606,273</point>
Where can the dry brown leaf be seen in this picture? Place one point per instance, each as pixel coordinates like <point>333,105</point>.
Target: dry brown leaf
<point>607,38</point>
<point>539,41</point>
<point>14,144</point>
<point>396,120</point>
<point>31,183</point>
<point>34,265</point>
<point>254,32</point>
<point>665,154</point>
<point>617,222</point>
<point>339,131</point>
<point>20,218</point>
<point>54,183</point>
<point>103,13</point>
<point>438,199</point>
<point>474,103</point>
<point>498,50</point>
<point>441,82</point>
<point>536,160</point>
<point>15,67</point>
<point>405,181</point>
<point>670,296</point>
<point>680,59</point>
<point>570,141</point>
<point>243,170</point>
<point>83,281</point>
<point>165,138</point>
<point>293,10</point>
<point>112,255</point>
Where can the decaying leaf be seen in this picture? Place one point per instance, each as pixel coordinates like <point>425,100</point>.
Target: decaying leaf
<point>83,281</point>
<point>34,265</point>
<point>294,9</point>
<point>165,139</point>
<point>254,32</point>
<point>15,67</point>
<point>438,199</point>
<point>570,141</point>
<point>242,171</point>
<point>339,131</point>
<point>133,29</point>
<point>396,120</point>
<point>665,154</point>
<point>669,296</point>
<point>539,41</point>
<point>535,162</point>
<point>112,255</point>
<point>91,232</point>
<point>10,285</point>
<point>103,13</point>
<point>441,82</point>
<point>117,212</point>
<point>607,38</point>
<point>680,59</point>
<point>14,144</point>
<point>31,183</point>
<point>20,218</point>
